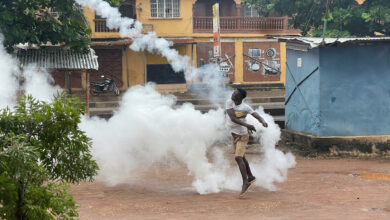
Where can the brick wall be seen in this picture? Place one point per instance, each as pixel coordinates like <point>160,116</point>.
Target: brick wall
<point>110,64</point>
<point>59,78</point>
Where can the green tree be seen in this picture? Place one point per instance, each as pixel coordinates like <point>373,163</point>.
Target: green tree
<point>41,149</point>
<point>30,21</point>
<point>346,17</point>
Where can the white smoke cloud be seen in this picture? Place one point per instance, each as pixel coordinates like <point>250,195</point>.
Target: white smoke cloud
<point>9,83</point>
<point>148,128</point>
<point>274,164</point>
<point>39,83</point>
<point>215,89</point>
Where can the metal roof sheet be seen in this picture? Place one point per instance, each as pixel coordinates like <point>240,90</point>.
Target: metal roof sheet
<point>59,58</point>
<point>314,42</point>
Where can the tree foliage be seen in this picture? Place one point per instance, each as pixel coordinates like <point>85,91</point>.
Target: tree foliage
<point>346,17</point>
<point>30,21</point>
<point>42,148</point>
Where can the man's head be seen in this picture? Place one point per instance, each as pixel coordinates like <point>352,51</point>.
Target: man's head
<point>238,95</point>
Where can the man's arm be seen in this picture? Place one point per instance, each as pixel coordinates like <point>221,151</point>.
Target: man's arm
<point>234,119</point>
<point>260,119</point>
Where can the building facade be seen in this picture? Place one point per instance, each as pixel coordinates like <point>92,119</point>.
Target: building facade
<point>245,39</point>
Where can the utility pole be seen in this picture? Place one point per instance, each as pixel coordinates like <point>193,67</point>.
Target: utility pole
<point>326,20</point>
<point>216,33</point>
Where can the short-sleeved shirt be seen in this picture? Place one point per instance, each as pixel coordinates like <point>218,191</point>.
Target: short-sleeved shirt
<point>241,112</point>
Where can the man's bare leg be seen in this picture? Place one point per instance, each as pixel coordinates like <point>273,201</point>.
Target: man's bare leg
<point>243,171</point>
<point>251,178</point>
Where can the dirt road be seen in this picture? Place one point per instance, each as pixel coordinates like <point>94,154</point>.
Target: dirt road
<point>315,189</point>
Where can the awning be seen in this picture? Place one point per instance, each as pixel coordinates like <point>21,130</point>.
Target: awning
<point>58,58</point>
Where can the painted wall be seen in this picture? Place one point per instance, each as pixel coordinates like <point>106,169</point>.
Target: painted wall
<point>269,55</point>
<point>181,26</point>
<point>302,111</point>
<point>355,90</point>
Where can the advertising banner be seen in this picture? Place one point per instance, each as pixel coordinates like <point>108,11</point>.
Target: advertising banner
<point>216,30</point>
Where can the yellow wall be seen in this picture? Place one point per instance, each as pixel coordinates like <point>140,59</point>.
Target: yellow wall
<point>136,67</point>
<point>239,61</point>
<point>283,62</point>
<point>165,27</point>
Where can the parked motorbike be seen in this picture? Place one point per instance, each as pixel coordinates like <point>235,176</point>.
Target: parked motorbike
<point>107,85</point>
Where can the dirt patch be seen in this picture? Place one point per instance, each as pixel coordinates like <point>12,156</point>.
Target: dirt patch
<point>315,189</point>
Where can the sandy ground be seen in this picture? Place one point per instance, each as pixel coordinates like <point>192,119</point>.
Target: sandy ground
<point>316,189</point>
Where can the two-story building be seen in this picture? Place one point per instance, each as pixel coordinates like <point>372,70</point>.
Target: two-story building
<point>245,38</point>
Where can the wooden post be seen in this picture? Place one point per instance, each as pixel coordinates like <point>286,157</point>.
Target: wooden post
<point>87,94</point>
<point>238,16</point>
<point>285,23</point>
<point>68,84</point>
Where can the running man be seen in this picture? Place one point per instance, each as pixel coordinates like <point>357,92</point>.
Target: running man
<point>237,111</point>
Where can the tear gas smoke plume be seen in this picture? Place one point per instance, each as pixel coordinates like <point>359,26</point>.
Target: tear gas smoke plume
<point>8,77</point>
<point>149,127</point>
<point>216,90</point>
<point>39,83</point>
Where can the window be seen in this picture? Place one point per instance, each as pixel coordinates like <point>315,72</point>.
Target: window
<point>250,12</point>
<point>255,52</point>
<point>127,10</point>
<point>164,8</point>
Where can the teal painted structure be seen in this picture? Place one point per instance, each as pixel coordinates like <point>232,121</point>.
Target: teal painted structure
<point>349,93</point>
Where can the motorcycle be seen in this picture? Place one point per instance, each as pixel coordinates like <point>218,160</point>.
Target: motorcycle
<point>107,85</point>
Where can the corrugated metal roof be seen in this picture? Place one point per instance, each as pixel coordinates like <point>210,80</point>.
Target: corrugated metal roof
<point>314,42</point>
<point>58,58</point>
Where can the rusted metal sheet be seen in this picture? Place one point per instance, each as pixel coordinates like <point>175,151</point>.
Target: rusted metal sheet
<point>313,42</point>
<point>58,58</point>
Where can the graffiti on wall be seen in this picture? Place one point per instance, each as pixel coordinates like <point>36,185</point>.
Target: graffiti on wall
<point>263,61</point>
<point>225,62</point>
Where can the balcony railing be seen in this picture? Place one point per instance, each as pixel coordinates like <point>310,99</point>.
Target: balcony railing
<point>228,25</point>
<point>242,24</point>
<point>101,26</point>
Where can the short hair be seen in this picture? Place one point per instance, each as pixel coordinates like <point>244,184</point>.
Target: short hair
<point>242,92</point>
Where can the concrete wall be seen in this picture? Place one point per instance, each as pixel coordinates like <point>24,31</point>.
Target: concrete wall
<point>302,111</point>
<point>355,90</point>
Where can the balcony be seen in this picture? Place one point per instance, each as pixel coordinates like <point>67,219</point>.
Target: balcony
<point>269,25</point>
<point>101,26</point>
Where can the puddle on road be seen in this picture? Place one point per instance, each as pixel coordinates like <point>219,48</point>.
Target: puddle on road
<point>376,176</point>
<point>327,172</point>
<point>386,209</point>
